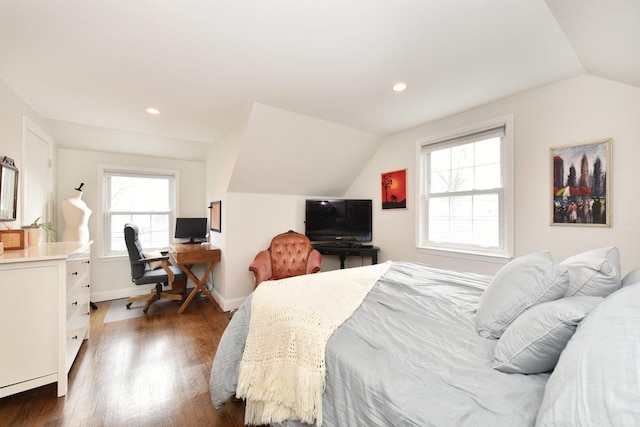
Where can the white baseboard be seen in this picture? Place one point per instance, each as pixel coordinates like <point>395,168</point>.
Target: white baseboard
<point>227,305</point>
<point>120,293</point>
<point>125,293</point>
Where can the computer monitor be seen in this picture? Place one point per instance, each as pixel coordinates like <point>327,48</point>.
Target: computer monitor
<point>192,229</point>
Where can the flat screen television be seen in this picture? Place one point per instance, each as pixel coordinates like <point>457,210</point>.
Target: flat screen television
<point>192,229</point>
<point>339,221</point>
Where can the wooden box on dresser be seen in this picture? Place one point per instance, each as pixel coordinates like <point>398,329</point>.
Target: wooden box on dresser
<point>44,314</point>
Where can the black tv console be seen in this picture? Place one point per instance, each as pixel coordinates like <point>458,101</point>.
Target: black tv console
<point>345,251</point>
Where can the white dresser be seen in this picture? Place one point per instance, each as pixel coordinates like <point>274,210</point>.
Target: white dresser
<point>44,314</point>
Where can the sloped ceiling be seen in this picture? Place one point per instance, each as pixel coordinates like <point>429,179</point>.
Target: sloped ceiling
<point>92,68</point>
<point>203,62</point>
<point>604,34</point>
<point>289,153</point>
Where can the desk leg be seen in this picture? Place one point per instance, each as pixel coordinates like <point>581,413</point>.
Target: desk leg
<point>203,288</point>
<point>199,285</point>
<point>342,258</point>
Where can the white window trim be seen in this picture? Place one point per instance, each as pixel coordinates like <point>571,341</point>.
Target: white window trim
<point>102,227</point>
<point>499,256</point>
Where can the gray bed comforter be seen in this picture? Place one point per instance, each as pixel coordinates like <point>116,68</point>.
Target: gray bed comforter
<point>409,356</point>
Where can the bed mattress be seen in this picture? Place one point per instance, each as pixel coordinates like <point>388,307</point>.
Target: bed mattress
<point>410,355</point>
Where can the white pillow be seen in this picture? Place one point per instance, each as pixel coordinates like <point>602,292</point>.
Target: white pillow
<point>534,341</point>
<point>631,278</point>
<point>595,382</point>
<point>154,265</point>
<point>520,284</point>
<point>594,273</point>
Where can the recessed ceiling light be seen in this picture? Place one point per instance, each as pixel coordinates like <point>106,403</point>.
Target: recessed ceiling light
<point>399,87</point>
<point>152,110</point>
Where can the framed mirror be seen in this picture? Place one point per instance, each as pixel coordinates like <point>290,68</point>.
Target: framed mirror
<point>8,190</point>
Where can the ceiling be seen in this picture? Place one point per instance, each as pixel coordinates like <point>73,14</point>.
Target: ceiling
<point>202,63</point>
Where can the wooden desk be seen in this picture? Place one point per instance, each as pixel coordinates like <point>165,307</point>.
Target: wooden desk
<point>185,255</point>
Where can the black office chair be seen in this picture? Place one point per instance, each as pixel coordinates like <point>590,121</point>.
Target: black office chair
<point>142,274</point>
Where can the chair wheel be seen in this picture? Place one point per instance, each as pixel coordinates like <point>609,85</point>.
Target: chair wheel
<point>145,310</point>
<point>128,306</point>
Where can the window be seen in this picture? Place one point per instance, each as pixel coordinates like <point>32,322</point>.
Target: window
<point>465,188</point>
<point>145,198</point>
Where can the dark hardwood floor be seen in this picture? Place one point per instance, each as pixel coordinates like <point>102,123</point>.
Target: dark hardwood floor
<point>149,371</point>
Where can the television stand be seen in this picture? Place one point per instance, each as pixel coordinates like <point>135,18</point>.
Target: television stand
<point>345,251</point>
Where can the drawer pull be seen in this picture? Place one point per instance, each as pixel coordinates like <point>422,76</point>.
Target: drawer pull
<point>87,313</point>
<point>75,273</point>
<point>74,303</point>
<point>86,262</point>
<point>75,337</point>
<point>86,286</point>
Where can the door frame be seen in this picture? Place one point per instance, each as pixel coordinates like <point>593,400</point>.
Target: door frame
<point>29,125</point>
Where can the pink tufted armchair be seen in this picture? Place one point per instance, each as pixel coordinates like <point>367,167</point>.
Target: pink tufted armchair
<point>290,254</point>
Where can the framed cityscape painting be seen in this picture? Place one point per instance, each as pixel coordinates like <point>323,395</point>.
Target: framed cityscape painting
<point>581,184</point>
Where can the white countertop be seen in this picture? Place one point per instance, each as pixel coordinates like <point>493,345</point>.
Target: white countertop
<point>42,252</point>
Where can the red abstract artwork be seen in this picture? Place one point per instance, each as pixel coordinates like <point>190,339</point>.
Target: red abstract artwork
<point>394,189</point>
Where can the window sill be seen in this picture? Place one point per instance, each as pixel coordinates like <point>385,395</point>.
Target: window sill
<point>113,258</point>
<point>495,258</point>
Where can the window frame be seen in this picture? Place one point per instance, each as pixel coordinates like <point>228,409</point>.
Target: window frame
<point>103,219</point>
<point>506,216</point>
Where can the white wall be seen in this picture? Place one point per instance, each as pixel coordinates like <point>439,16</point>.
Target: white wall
<point>12,111</point>
<point>221,160</point>
<point>256,219</point>
<point>574,111</point>
<point>273,149</point>
<point>111,277</point>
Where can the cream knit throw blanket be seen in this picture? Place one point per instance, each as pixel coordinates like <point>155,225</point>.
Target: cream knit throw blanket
<point>282,373</point>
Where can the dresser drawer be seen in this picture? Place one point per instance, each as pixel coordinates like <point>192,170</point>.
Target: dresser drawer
<point>78,316</point>
<point>77,269</point>
<point>77,300</point>
<point>77,304</point>
<point>74,340</point>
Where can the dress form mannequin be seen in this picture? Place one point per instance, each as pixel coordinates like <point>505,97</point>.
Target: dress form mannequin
<point>76,215</point>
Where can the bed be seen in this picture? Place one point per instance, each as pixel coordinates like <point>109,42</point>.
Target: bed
<point>417,351</point>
